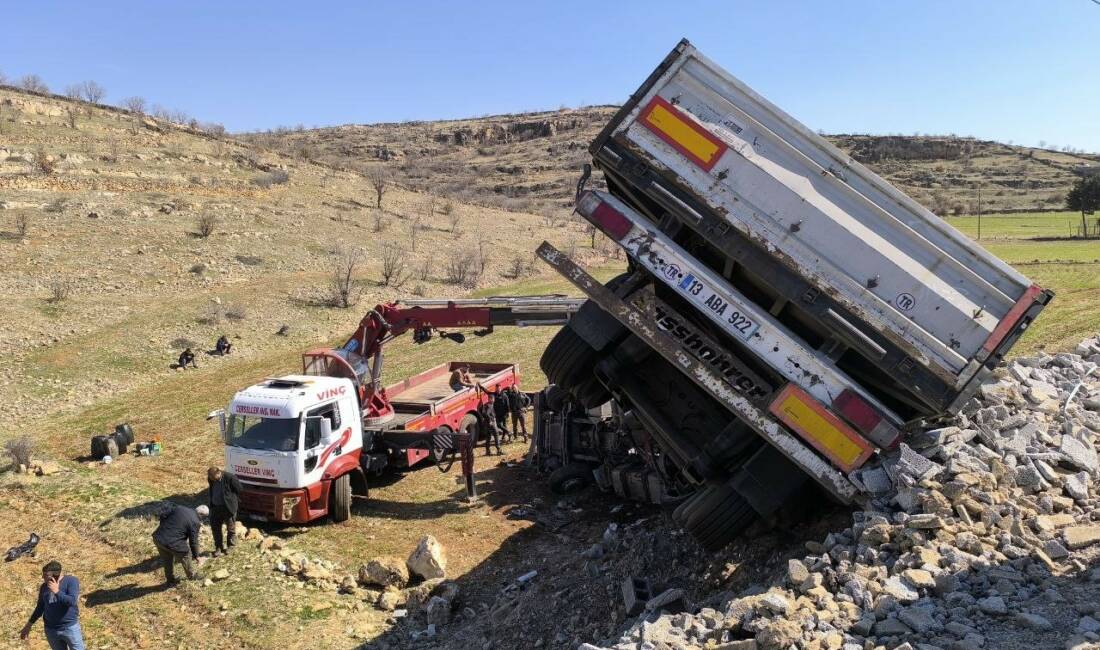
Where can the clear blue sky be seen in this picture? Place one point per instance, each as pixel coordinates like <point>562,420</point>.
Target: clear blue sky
<point>1001,69</point>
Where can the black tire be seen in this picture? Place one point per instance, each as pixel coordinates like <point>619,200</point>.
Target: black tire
<point>99,447</point>
<point>715,516</point>
<point>554,398</point>
<point>340,503</point>
<point>120,442</point>
<point>126,432</point>
<point>469,425</point>
<point>570,478</point>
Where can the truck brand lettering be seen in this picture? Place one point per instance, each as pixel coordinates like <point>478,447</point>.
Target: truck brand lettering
<point>249,470</point>
<point>331,392</point>
<point>717,360</point>
<point>248,409</point>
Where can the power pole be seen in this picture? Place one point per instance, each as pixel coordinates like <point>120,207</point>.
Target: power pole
<point>979,213</point>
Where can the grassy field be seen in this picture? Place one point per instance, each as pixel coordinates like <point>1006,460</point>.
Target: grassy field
<point>1070,267</point>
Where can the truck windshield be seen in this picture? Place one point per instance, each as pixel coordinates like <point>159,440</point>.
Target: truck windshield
<point>253,432</point>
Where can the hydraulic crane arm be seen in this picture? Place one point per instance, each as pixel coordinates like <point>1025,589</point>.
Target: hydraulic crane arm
<point>360,357</point>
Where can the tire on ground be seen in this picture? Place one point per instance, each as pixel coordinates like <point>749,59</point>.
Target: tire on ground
<point>570,478</point>
<point>715,516</point>
<point>340,504</point>
<point>469,425</point>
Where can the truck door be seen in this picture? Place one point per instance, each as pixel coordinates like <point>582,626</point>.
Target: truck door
<point>324,439</point>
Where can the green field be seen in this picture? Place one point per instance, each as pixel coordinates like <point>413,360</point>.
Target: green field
<point>1070,267</point>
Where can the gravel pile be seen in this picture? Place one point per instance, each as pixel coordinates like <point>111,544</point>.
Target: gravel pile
<point>980,535</point>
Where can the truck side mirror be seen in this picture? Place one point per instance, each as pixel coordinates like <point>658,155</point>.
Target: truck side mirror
<point>220,414</point>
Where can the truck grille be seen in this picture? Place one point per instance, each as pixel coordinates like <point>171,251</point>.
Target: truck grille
<point>259,503</point>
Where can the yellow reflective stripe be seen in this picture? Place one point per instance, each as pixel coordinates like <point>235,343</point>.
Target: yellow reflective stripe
<point>682,132</point>
<point>800,415</point>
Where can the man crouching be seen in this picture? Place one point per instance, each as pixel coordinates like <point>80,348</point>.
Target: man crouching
<point>177,539</point>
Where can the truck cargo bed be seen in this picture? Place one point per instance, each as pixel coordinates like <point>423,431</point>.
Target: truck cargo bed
<point>904,290</point>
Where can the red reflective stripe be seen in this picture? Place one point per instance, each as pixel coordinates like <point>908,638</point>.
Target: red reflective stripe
<point>611,221</point>
<point>706,163</point>
<point>1011,318</point>
<point>856,410</point>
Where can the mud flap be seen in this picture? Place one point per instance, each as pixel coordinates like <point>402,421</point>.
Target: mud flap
<point>767,480</point>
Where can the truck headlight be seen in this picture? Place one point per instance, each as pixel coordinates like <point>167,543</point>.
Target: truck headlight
<point>289,503</point>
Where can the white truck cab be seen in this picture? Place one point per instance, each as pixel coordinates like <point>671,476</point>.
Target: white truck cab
<point>289,440</point>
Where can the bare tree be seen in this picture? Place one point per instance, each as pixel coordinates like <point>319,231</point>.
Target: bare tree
<point>135,105</point>
<point>459,268</point>
<point>452,219</point>
<point>33,83</point>
<point>73,91</point>
<point>379,221</point>
<point>3,78</point>
<point>205,225</point>
<point>380,181</point>
<point>413,226</point>
<point>92,92</point>
<point>519,265</point>
<point>71,113</point>
<point>22,224</point>
<point>482,254</point>
<point>394,265</point>
<point>424,270</point>
<point>344,285</point>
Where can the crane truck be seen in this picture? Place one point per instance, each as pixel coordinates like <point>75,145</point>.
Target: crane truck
<point>303,444</point>
<point>786,319</point>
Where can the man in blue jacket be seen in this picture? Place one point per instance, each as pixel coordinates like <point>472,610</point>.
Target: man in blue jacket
<point>59,609</point>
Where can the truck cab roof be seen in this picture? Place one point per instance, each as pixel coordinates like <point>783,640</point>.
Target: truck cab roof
<point>288,396</point>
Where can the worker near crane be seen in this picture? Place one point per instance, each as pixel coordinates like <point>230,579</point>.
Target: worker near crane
<point>517,402</point>
<point>223,346</point>
<point>460,379</point>
<point>186,357</point>
<point>486,422</point>
<point>177,539</point>
<point>224,498</point>
<point>501,410</point>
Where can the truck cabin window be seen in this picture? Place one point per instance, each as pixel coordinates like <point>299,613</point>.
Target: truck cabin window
<point>331,412</point>
<point>252,432</point>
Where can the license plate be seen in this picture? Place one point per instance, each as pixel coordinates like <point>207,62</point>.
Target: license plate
<point>734,320</point>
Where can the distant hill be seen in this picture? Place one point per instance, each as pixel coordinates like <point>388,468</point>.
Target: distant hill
<point>530,162</point>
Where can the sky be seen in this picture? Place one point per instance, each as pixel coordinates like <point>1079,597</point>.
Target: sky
<point>1024,71</point>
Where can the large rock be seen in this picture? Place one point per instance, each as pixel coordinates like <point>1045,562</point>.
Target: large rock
<point>1081,536</point>
<point>428,560</point>
<point>385,572</point>
<point>1078,454</point>
<point>439,611</point>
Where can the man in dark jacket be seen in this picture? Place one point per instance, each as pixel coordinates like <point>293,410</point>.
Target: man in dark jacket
<point>501,409</point>
<point>177,540</point>
<point>517,402</point>
<point>225,491</point>
<point>59,608</point>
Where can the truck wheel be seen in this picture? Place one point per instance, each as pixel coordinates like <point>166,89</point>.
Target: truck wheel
<point>715,516</point>
<point>469,426</point>
<point>554,398</point>
<point>340,502</point>
<point>570,478</point>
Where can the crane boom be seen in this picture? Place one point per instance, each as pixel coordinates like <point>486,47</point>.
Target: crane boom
<point>360,357</point>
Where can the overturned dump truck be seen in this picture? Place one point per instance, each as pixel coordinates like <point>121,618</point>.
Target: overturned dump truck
<point>787,315</point>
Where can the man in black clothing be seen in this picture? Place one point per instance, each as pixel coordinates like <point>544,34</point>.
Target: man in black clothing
<point>225,491</point>
<point>223,346</point>
<point>486,424</point>
<point>501,409</point>
<point>177,540</point>
<point>517,401</point>
<point>187,357</point>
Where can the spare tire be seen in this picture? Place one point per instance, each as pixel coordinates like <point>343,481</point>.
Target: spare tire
<point>126,433</point>
<point>715,516</point>
<point>570,478</point>
<point>120,441</point>
<point>99,447</point>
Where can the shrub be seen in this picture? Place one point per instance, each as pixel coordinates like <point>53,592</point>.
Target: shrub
<point>519,265</point>
<point>19,450</point>
<point>22,224</point>
<point>198,269</point>
<point>182,343</point>
<point>250,260</point>
<point>236,312</point>
<point>43,162</point>
<point>59,291</point>
<point>379,221</point>
<point>275,177</point>
<point>205,225</point>
<point>460,268</point>
<point>344,289</point>
<point>394,267</point>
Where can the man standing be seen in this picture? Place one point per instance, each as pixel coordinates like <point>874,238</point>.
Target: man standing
<point>177,540</point>
<point>225,491</point>
<point>501,409</point>
<point>517,401</point>
<point>59,608</point>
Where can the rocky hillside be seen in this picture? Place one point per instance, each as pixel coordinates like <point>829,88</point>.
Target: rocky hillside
<point>532,161</point>
<point>124,239</point>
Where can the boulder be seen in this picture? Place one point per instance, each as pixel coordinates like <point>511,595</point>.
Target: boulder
<point>45,467</point>
<point>388,601</point>
<point>1081,536</point>
<point>438,611</point>
<point>384,572</point>
<point>428,560</point>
